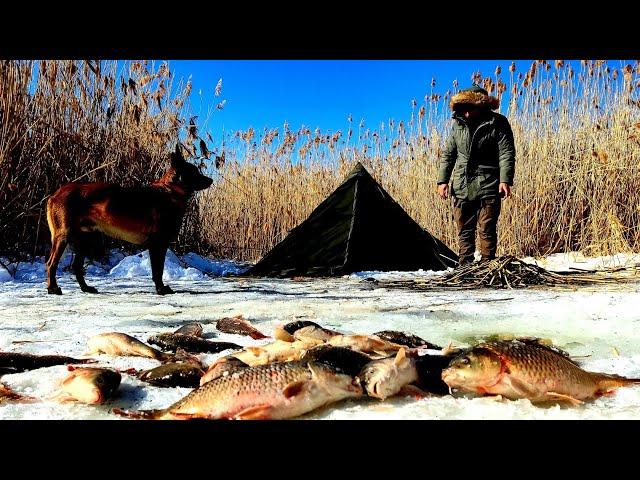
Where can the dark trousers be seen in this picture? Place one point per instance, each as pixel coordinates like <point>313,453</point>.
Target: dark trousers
<point>483,216</point>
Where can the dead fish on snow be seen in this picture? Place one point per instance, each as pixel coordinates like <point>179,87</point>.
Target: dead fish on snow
<point>345,359</point>
<point>240,326</point>
<point>285,332</point>
<point>173,375</point>
<point>515,369</point>
<point>386,377</point>
<point>411,341</point>
<point>314,332</point>
<point>89,385</point>
<point>274,391</point>
<point>278,351</point>
<point>173,341</point>
<point>365,343</point>
<point>12,362</point>
<point>114,343</point>
<point>194,328</point>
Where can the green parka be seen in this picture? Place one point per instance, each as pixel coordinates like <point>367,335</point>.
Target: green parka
<point>476,164</point>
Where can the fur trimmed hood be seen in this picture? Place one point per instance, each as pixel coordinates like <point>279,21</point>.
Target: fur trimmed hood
<point>475,96</point>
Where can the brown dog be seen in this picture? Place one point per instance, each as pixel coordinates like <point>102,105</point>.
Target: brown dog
<point>148,216</point>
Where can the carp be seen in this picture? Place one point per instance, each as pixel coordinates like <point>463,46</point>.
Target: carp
<point>194,328</point>
<point>386,377</point>
<point>408,340</point>
<point>365,343</point>
<point>344,359</point>
<point>278,351</point>
<point>314,332</point>
<point>274,391</point>
<point>115,343</point>
<point>190,343</point>
<point>12,362</point>
<point>173,375</point>
<point>516,369</point>
<point>239,326</point>
<point>285,332</point>
<point>89,385</point>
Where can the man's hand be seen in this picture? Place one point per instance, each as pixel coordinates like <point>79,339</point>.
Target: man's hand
<point>443,190</point>
<point>504,190</point>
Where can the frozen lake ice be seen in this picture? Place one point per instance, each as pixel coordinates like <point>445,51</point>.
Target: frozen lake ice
<point>601,324</point>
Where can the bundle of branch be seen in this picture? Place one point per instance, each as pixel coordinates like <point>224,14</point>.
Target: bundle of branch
<point>505,272</point>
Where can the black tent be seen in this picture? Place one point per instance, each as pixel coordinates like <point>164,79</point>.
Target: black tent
<point>358,227</point>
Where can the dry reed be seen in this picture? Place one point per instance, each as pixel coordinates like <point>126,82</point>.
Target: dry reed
<point>577,132</point>
<point>63,121</point>
<point>577,184</point>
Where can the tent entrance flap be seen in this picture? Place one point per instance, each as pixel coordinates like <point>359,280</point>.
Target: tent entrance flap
<point>358,227</point>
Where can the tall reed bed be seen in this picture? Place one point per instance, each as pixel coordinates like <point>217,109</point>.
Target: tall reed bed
<point>577,132</point>
<point>62,121</point>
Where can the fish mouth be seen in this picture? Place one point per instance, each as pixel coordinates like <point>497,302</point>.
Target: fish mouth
<point>373,389</point>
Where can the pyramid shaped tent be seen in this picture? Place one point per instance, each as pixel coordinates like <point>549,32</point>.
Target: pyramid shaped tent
<point>358,227</point>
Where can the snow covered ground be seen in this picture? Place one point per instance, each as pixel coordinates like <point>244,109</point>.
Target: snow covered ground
<point>600,323</point>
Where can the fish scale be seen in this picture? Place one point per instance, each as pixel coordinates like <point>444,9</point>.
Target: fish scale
<point>540,363</point>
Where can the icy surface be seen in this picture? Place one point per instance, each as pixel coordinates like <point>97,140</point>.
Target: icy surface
<point>139,265</point>
<point>5,276</point>
<point>394,275</point>
<point>601,324</point>
<point>190,267</point>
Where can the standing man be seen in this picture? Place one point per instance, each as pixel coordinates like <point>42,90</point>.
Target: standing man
<point>480,156</point>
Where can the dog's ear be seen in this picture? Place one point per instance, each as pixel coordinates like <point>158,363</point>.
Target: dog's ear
<point>176,157</point>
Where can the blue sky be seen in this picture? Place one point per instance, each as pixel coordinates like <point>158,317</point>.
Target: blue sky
<point>322,93</point>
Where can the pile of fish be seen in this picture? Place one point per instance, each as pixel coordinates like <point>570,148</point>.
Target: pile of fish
<point>307,367</point>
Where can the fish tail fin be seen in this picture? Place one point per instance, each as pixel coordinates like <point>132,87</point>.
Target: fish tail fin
<point>609,382</point>
<point>140,414</point>
<point>130,371</point>
<point>258,335</point>
<point>628,381</point>
<point>10,394</point>
<point>165,357</point>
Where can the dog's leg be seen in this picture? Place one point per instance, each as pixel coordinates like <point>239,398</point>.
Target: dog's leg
<point>80,246</point>
<point>59,243</point>
<point>157,255</point>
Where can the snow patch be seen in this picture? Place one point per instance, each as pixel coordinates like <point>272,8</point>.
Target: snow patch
<point>600,325</point>
<point>119,265</point>
<point>140,266</point>
<point>5,276</point>
<point>398,275</point>
<point>214,267</point>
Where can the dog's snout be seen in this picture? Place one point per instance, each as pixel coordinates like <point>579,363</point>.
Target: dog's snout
<point>203,182</point>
